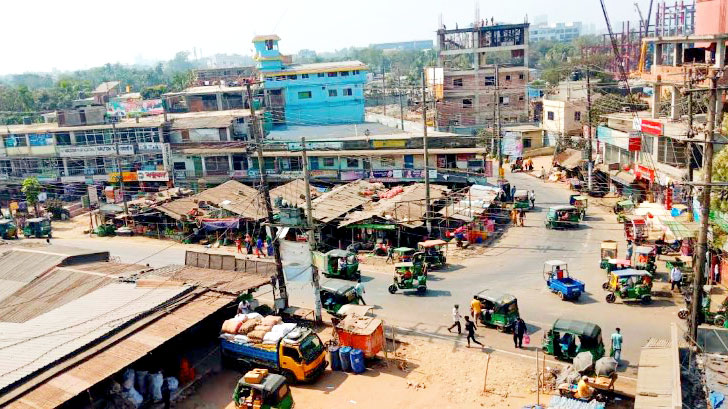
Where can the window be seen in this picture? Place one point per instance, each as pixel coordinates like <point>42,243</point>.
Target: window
<point>505,100</point>
<point>526,142</point>
<point>304,76</point>
<point>355,72</point>
<point>333,93</point>
<point>648,144</point>
<point>217,165</point>
<point>489,80</point>
<point>296,163</point>
<point>268,44</point>
<point>521,76</point>
<point>180,166</point>
<point>508,77</point>
<point>550,115</point>
<point>304,95</point>
<point>292,353</point>
<point>671,152</point>
<point>520,97</point>
<point>293,77</point>
<point>386,162</point>
<point>347,92</point>
<point>320,75</point>
<point>332,74</point>
<point>467,103</point>
<point>352,163</point>
<point>280,77</point>
<point>329,162</point>
<point>344,73</point>
<point>457,82</point>
<point>577,116</point>
<point>63,139</point>
<point>14,141</point>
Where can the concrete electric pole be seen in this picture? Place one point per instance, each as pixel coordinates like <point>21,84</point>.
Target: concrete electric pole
<point>311,234</point>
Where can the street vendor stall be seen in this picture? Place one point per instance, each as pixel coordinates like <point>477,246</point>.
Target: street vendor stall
<point>361,332</point>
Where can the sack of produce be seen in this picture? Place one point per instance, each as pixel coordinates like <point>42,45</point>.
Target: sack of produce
<point>272,320</point>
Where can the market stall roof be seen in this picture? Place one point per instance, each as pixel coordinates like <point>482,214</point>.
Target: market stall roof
<point>342,199</point>
<point>294,192</point>
<point>225,281</point>
<point>569,159</point>
<point>681,230</point>
<point>406,208</point>
<point>232,196</point>
<point>359,325</point>
<point>658,375</point>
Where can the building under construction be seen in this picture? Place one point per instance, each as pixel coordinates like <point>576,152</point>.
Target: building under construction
<point>470,58</point>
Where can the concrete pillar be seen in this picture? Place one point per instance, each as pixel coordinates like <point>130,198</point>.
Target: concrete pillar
<point>720,54</point>
<point>231,166</point>
<point>677,55</point>
<point>72,137</point>
<point>218,98</point>
<point>655,105</point>
<point>657,57</point>
<point>675,103</point>
<point>204,169</point>
<point>65,166</point>
<point>229,136</point>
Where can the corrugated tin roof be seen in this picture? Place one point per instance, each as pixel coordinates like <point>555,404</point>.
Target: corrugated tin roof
<point>406,208</point>
<point>28,347</point>
<point>233,282</point>
<point>232,196</point>
<point>116,357</point>
<point>341,200</point>
<point>654,379</point>
<point>106,87</point>
<point>294,192</point>
<point>60,286</point>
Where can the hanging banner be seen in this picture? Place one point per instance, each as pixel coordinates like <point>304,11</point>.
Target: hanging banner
<point>215,224</point>
<point>126,177</point>
<point>152,176</point>
<point>94,150</point>
<point>635,142</point>
<point>93,195</point>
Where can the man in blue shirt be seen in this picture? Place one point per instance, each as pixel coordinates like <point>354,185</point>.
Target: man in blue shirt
<point>617,346</point>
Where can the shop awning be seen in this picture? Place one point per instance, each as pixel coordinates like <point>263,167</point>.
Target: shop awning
<point>624,178</point>
<point>373,226</point>
<point>681,230</point>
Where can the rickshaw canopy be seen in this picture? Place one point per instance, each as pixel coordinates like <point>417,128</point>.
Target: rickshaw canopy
<point>552,263</point>
<point>36,220</point>
<point>338,253</point>
<point>496,297</point>
<point>631,272</point>
<point>5,221</point>
<point>625,203</point>
<point>431,243</point>
<point>271,383</point>
<point>609,245</point>
<point>403,249</point>
<point>578,328</point>
<point>406,264</point>
<point>643,249</point>
<point>336,286</point>
<point>620,261</point>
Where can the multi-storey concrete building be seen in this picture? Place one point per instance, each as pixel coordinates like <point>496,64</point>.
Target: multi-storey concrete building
<point>468,57</point>
<point>310,94</point>
<point>555,32</point>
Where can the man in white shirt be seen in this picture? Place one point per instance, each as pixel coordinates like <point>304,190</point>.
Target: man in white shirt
<point>675,278</point>
<point>359,289</point>
<point>456,319</point>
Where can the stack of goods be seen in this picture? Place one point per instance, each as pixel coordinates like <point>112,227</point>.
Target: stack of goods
<point>255,329</point>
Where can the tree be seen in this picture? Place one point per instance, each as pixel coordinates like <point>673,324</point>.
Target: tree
<point>31,189</point>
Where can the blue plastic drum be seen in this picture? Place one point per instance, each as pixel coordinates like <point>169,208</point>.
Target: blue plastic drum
<point>357,361</point>
<point>334,358</point>
<point>344,356</point>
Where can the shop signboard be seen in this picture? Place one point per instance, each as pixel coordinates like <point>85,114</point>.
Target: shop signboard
<point>352,174</point>
<point>297,146</point>
<point>126,177</point>
<point>512,144</point>
<point>488,168</point>
<point>324,173</point>
<point>93,195</point>
<point>153,176</point>
<point>150,146</point>
<point>645,172</point>
<point>651,127</point>
<point>94,150</point>
<point>389,143</point>
<point>635,141</point>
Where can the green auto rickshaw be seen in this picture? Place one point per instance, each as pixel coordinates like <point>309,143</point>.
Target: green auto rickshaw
<point>432,249</point>
<point>567,338</point>
<point>272,392</point>
<point>8,229</point>
<point>336,293</point>
<point>37,227</point>
<point>622,208</point>
<point>710,313</point>
<point>500,310</point>
<point>580,202</point>
<point>629,285</point>
<point>409,276</point>
<point>645,258</point>
<point>607,251</point>
<point>562,217</point>
<point>402,254</point>
<point>338,264</point>
<point>520,200</point>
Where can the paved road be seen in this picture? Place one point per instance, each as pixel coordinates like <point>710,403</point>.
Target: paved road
<point>513,264</point>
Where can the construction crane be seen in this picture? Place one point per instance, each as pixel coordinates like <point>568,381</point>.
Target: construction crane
<point>615,47</point>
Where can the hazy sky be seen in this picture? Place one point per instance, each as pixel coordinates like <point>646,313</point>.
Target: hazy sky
<point>40,35</point>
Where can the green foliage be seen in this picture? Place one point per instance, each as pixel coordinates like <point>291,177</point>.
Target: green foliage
<point>719,201</point>
<point>55,207</point>
<point>31,188</point>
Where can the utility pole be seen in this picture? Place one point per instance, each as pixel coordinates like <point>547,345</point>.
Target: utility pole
<point>384,89</point>
<point>311,234</point>
<point>704,208</point>
<point>498,123</point>
<point>690,134</point>
<point>256,130</point>
<point>121,173</point>
<point>427,157</point>
<point>590,162</point>
<point>401,110</point>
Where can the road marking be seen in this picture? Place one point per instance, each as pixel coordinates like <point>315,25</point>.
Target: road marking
<point>446,338</point>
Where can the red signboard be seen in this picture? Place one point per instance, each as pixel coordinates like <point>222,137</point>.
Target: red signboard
<point>635,142</point>
<point>645,172</point>
<point>651,127</point>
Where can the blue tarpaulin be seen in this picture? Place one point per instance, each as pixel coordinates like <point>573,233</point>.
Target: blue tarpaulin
<point>716,399</point>
<point>215,224</point>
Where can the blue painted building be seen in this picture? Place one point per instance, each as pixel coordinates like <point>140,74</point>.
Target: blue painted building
<point>310,94</point>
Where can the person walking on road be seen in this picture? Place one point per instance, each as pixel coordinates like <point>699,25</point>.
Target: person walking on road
<point>259,247</point>
<point>470,328</point>
<point>239,244</point>
<point>456,319</point>
<point>522,217</point>
<point>630,249</point>
<point>476,307</point>
<point>675,278</point>
<point>359,288</point>
<point>513,191</point>
<point>248,244</point>
<point>532,198</point>
<point>616,346</point>
<point>519,330</point>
